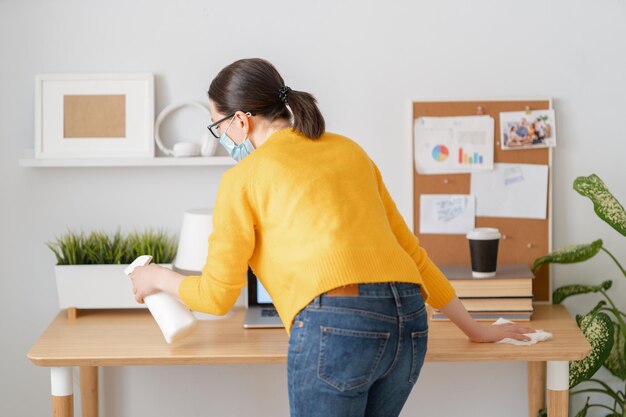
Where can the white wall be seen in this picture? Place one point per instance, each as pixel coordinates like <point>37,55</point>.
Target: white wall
<point>364,60</point>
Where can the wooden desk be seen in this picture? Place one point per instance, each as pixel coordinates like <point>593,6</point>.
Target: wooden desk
<point>131,337</point>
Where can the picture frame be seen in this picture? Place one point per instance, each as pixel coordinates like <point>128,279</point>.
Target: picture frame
<point>94,115</point>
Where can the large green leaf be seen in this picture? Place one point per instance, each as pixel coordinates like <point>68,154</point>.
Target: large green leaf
<point>616,362</point>
<point>604,204</point>
<point>598,329</point>
<point>562,293</point>
<point>570,254</point>
<point>594,310</point>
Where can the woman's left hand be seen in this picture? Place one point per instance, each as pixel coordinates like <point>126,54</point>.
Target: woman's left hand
<point>493,333</point>
<point>147,280</point>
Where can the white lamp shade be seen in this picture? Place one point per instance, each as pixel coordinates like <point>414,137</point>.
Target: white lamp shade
<point>193,243</point>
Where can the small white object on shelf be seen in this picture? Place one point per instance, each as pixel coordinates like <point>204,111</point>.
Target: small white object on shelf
<point>207,146</point>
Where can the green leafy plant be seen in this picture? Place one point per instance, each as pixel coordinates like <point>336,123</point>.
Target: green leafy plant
<point>604,326</point>
<point>156,243</point>
<point>98,248</point>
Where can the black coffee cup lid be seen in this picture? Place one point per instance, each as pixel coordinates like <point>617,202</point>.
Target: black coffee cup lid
<point>483,233</point>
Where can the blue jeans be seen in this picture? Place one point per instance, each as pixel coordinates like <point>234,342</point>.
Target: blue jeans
<point>357,355</point>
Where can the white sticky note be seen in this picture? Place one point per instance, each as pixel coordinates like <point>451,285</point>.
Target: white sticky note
<point>511,190</point>
<point>447,213</point>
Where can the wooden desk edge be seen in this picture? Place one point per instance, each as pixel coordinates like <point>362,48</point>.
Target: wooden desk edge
<point>275,356</point>
<point>226,360</point>
<point>260,360</point>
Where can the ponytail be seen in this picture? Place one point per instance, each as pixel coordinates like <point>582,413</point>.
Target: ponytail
<point>255,86</point>
<point>307,118</point>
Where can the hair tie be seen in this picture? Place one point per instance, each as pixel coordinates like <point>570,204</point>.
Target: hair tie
<point>282,93</point>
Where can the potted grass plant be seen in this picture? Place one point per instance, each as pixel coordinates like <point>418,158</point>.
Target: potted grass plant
<point>605,325</point>
<point>90,266</point>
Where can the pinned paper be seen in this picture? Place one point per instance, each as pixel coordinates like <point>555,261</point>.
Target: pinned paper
<point>447,213</point>
<point>453,144</point>
<point>512,190</point>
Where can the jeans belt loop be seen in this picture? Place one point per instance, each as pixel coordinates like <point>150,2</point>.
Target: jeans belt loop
<point>317,301</point>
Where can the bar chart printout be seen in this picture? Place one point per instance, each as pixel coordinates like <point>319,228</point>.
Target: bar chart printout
<point>464,158</point>
<point>453,144</point>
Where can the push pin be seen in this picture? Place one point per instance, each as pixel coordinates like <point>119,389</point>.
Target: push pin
<point>445,181</point>
<point>529,245</point>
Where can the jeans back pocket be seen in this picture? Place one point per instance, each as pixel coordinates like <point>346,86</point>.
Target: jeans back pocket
<point>419,342</point>
<point>349,358</point>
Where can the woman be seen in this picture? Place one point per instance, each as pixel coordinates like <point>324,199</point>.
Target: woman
<point>309,212</point>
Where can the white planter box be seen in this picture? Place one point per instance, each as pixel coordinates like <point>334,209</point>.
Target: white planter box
<point>95,286</point>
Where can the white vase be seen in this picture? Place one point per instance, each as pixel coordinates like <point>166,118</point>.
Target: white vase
<point>95,286</point>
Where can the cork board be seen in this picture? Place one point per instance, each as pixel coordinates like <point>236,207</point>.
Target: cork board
<point>94,116</point>
<point>524,240</point>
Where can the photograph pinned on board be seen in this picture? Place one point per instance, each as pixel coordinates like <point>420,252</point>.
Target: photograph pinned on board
<point>528,129</point>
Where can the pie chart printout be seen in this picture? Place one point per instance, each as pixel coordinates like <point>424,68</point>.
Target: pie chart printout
<point>440,153</point>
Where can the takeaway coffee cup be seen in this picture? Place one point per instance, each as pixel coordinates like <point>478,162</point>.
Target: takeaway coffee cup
<point>483,243</point>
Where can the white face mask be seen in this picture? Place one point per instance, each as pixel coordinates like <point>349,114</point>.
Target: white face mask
<point>237,152</point>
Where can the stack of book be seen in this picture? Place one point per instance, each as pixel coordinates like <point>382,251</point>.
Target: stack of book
<point>508,295</point>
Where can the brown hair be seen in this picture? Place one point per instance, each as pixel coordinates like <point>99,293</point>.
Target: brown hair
<point>255,86</point>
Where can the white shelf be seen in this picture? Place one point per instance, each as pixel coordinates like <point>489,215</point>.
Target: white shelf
<point>157,161</point>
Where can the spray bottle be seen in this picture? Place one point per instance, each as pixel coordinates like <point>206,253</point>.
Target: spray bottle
<point>174,319</point>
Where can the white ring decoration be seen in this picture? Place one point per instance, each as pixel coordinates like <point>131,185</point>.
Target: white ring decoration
<point>61,381</point>
<point>166,112</point>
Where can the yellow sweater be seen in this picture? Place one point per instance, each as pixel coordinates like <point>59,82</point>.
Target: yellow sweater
<point>307,216</point>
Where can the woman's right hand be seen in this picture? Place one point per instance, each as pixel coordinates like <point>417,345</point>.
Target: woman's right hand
<point>479,332</point>
<point>153,278</point>
<point>493,332</point>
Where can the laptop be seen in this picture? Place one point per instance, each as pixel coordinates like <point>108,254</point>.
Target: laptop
<point>260,311</point>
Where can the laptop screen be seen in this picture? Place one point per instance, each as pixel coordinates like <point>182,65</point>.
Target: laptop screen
<point>262,296</point>
<point>257,294</point>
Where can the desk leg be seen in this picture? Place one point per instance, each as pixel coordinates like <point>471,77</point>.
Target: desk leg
<point>62,387</point>
<point>536,387</point>
<point>89,390</point>
<point>557,388</point>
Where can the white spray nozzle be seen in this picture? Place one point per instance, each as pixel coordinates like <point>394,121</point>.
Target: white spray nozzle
<point>143,260</point>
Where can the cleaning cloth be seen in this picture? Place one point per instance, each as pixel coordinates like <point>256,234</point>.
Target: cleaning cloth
<point>538,336</point>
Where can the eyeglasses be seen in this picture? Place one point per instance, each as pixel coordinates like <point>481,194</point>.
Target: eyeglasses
<point>214,128</point>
